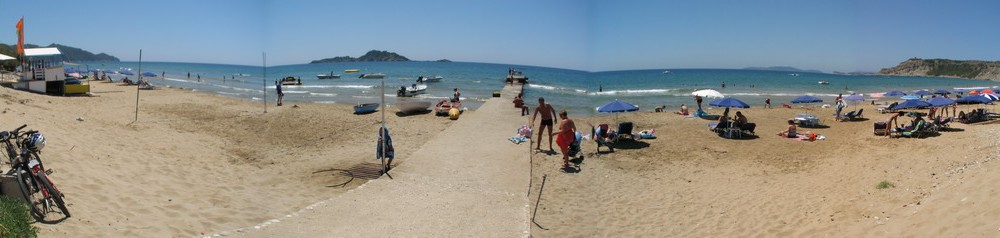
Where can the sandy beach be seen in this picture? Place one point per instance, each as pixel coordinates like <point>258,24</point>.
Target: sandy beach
<point>198,164</point>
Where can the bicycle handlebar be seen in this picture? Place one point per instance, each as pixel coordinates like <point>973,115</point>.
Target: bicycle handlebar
<point>19,128</point>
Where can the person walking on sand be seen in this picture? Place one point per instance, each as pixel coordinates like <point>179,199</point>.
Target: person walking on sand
<point>547,114</point>
<point>281,95</point>
<point>767,102</point>
<point>566,136</point>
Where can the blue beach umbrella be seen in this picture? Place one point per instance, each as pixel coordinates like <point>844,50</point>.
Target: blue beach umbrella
<point>973,99</point>
<point>729,102</point>
<point>894,93</point>
<point>922,93</point>
<point>126,72</point>
<point>149,74</point>
<point>806,99</point>
<point>617,106</point>
<point>940,102</point>
<point>911,104</point>
<point>108,71</point>
<point>910,97</point>
<point>992,97</point>
<point>942,92</point>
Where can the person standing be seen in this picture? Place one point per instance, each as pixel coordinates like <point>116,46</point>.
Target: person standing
<point>697,99</point>
<point>163,74</point>
<point>566,136</point>
<point>281,95</point>
<point>547,115</point>
<point>455,97</point>
<point>767,102</point>
<point>189,75</point>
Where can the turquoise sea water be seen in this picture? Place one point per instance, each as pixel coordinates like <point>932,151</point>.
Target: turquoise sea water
<point>578,92</point>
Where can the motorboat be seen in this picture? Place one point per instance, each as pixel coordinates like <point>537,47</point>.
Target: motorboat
<point>431,79</point>
<point>444,106</point>
<point>412,90</point>
<point>363,108</point>
<point>413,106</point>
<point>328,76</point>
<point>372,76</point>
<point>824,82</point>
<point>666,71</point>
<point>291,81</point>
<point>352,70</point>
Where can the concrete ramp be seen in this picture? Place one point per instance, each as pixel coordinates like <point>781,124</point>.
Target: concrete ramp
<point>469,181</point>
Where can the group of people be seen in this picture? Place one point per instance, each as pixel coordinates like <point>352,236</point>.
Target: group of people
<point>565,135</point>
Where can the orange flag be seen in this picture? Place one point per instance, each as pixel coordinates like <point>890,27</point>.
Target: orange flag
<point>20,36</point>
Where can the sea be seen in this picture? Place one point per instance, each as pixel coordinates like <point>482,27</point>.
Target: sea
<point>577,92</point>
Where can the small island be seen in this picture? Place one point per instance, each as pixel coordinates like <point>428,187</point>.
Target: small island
<point>969,69</point>
<point>371,56</point>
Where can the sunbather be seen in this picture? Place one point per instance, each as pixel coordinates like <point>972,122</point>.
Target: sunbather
<point>566,136</point>
<point>683,111</point>
<point>723,121</point>
<point>790,132</point>
<point>740,119</point>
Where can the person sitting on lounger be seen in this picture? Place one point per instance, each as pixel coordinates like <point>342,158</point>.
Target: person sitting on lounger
<point>723,121</point>
<point>127,81</point>
<point>683,111</point>
<point>790,132</point>
<point>740,119</point>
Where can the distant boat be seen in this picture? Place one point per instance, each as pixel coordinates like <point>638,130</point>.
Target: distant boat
<point>328,76</point>
<point>411,91</point>
<point>291,81</point>
<point>372,76</point>
<point>411,107</point>
<point>351,70</point>
<point>666,71</point>
<point>794,75</point>
<point>824,82</point>
<point>365,108</point>
<point>432,79</point>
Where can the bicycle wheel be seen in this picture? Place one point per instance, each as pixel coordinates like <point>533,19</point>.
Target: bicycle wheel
<point>54,193</point>
<point>28,189</point>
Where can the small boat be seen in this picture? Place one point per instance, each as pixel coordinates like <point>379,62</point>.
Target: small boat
<point>431,79</point>
<point>444,106</point>
<point>666,71</point>
<point>328,76</point>
<point>415,106</point>
<point>352,70</point>
<point>824,82</point>
<point>291,81</point>
<point>365,108</point>
<point>412,90</point>
<point>372,76</point>
<point>516,76</point>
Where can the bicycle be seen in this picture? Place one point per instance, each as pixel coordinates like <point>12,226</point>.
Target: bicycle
<point>32,177</point>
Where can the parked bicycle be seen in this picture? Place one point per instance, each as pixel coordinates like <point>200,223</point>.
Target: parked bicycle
<point>32,177</point>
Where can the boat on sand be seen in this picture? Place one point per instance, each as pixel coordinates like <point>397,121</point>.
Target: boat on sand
<point>444,106</point>
<point>413,106</point>
<point>363,108</point>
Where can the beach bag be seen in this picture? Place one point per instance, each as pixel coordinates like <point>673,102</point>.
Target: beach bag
<point>524,131</point>
<point>812,136</point>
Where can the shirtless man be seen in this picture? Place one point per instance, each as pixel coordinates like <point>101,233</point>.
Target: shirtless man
<point>547,115</point>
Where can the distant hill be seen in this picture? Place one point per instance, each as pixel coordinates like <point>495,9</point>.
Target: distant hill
<point>443,60</point>
<point>970,69</point>
<point>69,53</point>
<point>371,56</point>
<point>783,68</point>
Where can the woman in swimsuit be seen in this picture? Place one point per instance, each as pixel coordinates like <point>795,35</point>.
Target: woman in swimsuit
<point>566,136</point>
<point>790,132</point>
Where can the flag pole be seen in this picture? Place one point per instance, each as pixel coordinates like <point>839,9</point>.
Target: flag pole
<point>264,79</point>
<point>137,88</point>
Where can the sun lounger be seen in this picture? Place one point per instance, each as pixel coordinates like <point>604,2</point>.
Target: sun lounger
<point>918,131</point>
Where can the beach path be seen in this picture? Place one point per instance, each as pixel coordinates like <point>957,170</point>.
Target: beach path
<point>469,181</point>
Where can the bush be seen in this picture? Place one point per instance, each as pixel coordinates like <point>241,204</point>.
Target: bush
<point>15,219</point>
<point>885,184</point>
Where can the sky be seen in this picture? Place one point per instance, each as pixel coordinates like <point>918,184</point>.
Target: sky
<point>590,35</point>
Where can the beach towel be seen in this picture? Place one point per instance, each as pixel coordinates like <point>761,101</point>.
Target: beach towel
<point>383,135</point>
<point>523,133</point>
<point>647,134</point>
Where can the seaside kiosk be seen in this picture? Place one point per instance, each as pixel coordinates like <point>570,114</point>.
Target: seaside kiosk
<point>41,76</point>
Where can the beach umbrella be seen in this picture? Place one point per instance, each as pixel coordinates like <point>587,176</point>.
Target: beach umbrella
<point>894,93</point>
<point>940,102</point>
<point>942,92</point>
<point>729,103</point>
<point>708,93</point>
<point>986,91</point>
<point>855,99</point>
<point>973,100</point>
<point>806,99</point>
<point>126,72</point>
<point>149,74</point>
<point>910,97</point>
<point>70,70</point>
<point>992,97</point>
<point>617,106</point>
<point>922,93</point>
<point>108,71</point>
<point>911,104</point>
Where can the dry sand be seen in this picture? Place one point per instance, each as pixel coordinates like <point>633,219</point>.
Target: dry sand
<point>197,163</point>
<point>691,183</point>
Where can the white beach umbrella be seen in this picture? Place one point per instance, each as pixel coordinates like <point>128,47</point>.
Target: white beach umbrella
<point>708,93</point>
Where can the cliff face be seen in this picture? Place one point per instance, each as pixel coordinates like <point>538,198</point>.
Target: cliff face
<point>970,69</point>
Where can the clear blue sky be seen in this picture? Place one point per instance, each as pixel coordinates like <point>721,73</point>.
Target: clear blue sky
<point>588,35</point>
